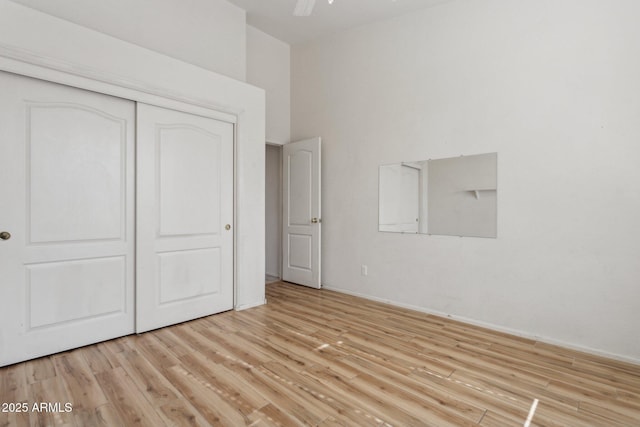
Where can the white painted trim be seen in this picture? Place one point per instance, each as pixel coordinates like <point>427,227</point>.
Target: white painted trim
<point>250,305</point>
<point>31,64</point>
<point>490,326</point>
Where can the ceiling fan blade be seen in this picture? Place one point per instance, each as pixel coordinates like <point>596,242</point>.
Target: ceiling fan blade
<point>304,7</point>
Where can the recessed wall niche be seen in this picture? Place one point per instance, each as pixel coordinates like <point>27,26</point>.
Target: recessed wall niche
<point>454,196</point>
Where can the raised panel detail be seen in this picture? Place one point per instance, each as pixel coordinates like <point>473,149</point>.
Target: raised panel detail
<point>300,169</point>
<point>189,180</point>
<point>75,290</point>
<point>76,173</point>
<point>189,274</point>
<point>300,251</point>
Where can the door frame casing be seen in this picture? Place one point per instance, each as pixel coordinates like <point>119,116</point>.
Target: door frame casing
<point>277,150</point>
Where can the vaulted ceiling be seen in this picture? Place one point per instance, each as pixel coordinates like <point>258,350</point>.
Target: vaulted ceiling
<point>275,17</point>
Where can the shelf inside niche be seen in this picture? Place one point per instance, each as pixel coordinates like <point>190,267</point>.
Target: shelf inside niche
<point>478,191</point>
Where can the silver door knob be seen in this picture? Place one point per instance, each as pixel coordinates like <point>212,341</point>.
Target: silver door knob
<point>5,235</point>
<point>227,227</point>
<point>315,220</point>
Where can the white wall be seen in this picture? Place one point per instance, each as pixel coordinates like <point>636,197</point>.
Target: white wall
<point>553,87</point>
<point>207,33</point>
<point>273,211</point>
<point>268,67</point>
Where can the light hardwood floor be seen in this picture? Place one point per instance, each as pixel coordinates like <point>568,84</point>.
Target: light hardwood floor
<point>316,357</point>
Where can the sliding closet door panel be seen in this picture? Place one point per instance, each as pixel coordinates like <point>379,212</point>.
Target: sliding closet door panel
<point>67,201</point>
<point>185,217</point>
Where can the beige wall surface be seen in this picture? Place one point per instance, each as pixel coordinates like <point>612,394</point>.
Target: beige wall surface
<point>552,87</point>
<point>207,33</point>
<point>268,67</point>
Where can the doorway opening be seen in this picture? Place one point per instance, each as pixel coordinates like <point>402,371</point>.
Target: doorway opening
<point>273,213</point>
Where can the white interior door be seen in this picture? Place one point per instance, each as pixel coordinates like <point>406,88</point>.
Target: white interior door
<point>301,214</point>
<point>67,210</point>
<point>184,217</point>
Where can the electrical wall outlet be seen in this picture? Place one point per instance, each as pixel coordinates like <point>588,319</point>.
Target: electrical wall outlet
<point>364,270</point>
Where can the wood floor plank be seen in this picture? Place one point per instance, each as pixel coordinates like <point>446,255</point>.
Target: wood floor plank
<point>157,390</point>
<point>280,394</point>
<point>580,393</point>
<point>230,386</point>
<point>401,356</point>
<point>492,419</point>
<point>287,323</point>
<point>461,358</point>
<point>613,376</point>
<point>629,397</point>
<point>173,343</point>
<point>607,416</point>
<point>99,358</point>
<point>533,365</point>
<point>53,394</point>
<point>307,348</point>
<point>592,358</point>
<point>512,390</point>
<point>332,422</point>
<point>339,409</point>
<point>229,324</point>
<point>130,404</point>
<point>117,345</point>
<point>14,390</point>
<point>109,349</point>
<point>13,383</point>
<point>442,404</point>
<point>616,411</point>
<point>317,357</point>
<point>372,405</point>
<point>316,323</point>
<point>103,416</point>
<point>272,416</point>
<point>425,407</point>
<point>156,352</point>
<point>273,352</point>
<point>503,404</point>
<point>212,336</point>
<point>548,414</point>
<point>206,398</point>
<point>83,389</point>
<point>211,342</point>
<point>180,413</point>
<point>547,359</point>
<point>39,369</point>
<point>315,394</point>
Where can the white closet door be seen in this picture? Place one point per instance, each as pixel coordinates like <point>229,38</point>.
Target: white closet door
<point>67,201</point>
<point>184,217</point>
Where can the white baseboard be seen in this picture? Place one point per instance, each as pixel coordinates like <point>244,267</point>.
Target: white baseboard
<point>491,326</point>
<point>250,305</point>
